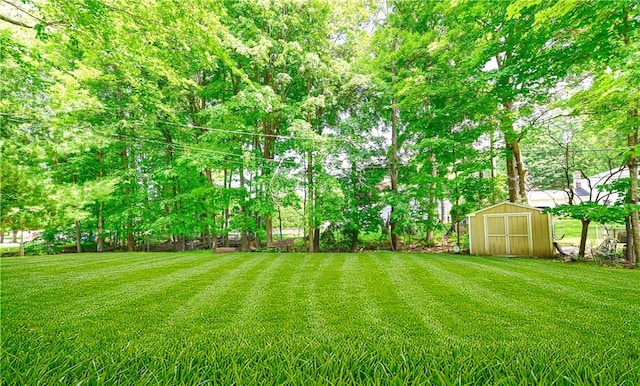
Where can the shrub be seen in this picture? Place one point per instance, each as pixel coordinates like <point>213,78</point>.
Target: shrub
<point>40,246</point>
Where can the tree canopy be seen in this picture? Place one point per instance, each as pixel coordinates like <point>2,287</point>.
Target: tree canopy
<point>133,122</point>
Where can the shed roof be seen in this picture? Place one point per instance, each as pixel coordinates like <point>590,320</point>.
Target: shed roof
<point>505,203</point>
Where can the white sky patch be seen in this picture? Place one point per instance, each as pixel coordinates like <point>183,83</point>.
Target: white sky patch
<point>491,65</point>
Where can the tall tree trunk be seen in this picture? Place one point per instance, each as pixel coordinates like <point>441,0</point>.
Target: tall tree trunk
<point>512,177</point>
<point>21,248</point>
<point>225,214</point>
<point>128,190</point>
<point>77,223</point>
<point>128,231</point>
<point>78,240</point>
<point>393,155</point>
<point>316,239</point>
<point>211,231</point>
<point>516,173</point>
<point>131,241</point>
<point>269,133</point>
<point>310,203</point>
<point>244,238</point>
<point>632,163</point>
<point>280,221</point>
<point>268,227</point>
<point>583,236</point>
<point>100,235</point>
<point>521,171</point>
<point>430,239</point>
<point>494,190</point>
<point>630,255</point>
<point>354,241</point>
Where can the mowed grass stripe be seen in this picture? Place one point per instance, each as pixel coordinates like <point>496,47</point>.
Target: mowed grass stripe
<point>397,297</point>
<point>316,289</point>
<point>106,275</point>
<point>73,267</point>
<point>353,279</point>
<point>550,297</point>
<point>422,291</point>
<point>480,307</point>
<point>582,276</point>
<point>555,277</point>
<point>476,296</point>
<point>246,349</point>
<point>97,297</point>
<point>51,263</point>
<point>131,335</point>
<point>284,313</point>
<point>335,307</point>
<point>554,316</point>
<point>153,299</point>
<point>213,304</point>
<point>548,292</point>
<point>252,305</point>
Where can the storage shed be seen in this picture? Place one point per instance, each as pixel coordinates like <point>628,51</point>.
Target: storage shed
<point>509,229</point>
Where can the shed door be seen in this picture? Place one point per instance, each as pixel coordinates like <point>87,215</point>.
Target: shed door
<point>508,234</point>
<point>496,235</point>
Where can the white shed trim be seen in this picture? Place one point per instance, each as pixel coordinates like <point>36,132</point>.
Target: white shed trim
<point>504,203</point>
<point>470,236</point>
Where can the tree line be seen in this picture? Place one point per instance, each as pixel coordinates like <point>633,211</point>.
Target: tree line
<point>142,121</point>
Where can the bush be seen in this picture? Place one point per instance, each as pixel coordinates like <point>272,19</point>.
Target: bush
<point>39,247</point>
<point>329,241</point>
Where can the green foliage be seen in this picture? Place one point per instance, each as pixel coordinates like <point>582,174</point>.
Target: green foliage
<point>158,120</point>
<point>40,246</point>
<point>592,211</point>
<point>168,318</point>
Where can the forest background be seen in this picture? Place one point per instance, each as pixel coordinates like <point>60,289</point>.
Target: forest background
<point>133,122</point>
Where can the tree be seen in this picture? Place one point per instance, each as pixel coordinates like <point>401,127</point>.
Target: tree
<point>600,41</point>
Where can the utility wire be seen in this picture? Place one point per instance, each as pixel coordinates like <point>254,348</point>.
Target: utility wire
<point>207,128</point>
<point>20,119</point>
<point>172,144</point>
<point>190,147</point>
<point>277,136</point>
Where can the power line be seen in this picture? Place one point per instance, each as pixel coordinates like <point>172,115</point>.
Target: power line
<point>348,140</point>
<point>171,144</point>
<point>277,136</point>
<point>194,148</point>
<point>291,164</point>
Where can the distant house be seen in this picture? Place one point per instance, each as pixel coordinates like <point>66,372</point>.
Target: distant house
<point>584,189</point>
<point>543,199</point>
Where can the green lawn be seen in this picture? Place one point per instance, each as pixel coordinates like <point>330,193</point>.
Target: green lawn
<point>569,230</point>
<point>372,318</point>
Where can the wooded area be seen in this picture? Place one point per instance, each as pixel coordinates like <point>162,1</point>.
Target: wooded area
<point>132,122</point>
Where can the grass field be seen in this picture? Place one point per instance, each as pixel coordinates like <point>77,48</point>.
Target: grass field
<point>569,230</point>
<point>370,318</point>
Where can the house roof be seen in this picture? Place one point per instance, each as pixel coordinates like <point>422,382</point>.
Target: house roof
<point>537,195</point>
<point>612,174</point>
<point>549,198</point>
<point>581,192</point>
